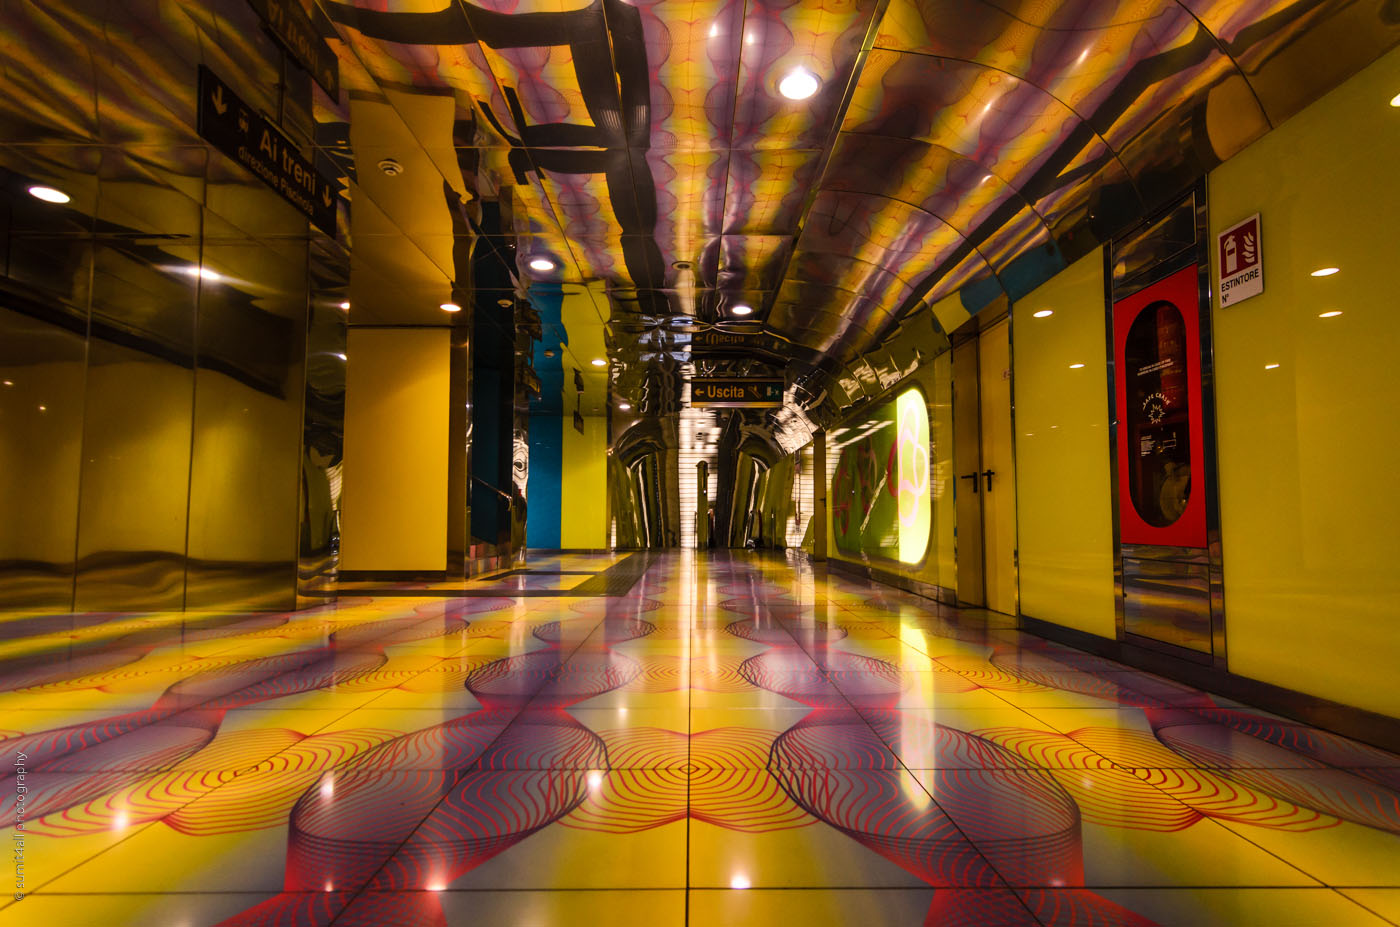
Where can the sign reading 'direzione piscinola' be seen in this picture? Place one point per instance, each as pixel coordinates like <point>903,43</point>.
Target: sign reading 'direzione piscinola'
<point>1240,253</point>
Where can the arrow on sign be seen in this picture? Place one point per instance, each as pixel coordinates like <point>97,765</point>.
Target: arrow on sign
<point>326,195</point>
<point>220,106</point>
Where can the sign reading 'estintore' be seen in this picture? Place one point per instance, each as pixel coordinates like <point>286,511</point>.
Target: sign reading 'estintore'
<point>1240,254</point>
<point>736,393</point>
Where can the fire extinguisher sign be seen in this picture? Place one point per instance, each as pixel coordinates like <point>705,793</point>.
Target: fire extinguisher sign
<point>1240,262</point>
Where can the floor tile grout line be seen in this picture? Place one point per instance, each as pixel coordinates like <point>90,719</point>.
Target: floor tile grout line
<point>148,773</point>
<point>824,674</point>
<point>475,764</point>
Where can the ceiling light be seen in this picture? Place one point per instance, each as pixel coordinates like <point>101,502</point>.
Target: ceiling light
<point>203,273</point>
<point>345,307</point>
<point>8,383</point>
<point>1075,366</point>
<point>48,194</point>
<point>450,307</point>
<point>541,264</point>
<point>505,303</point>
<point>1395,100</point>
<point>598,362</point>
<point>1329,314</point>
<point>798,84</point>
<point>342,357</point>
<point>625,406</point>
<point>1043,313</point>
<point>1325,271</point>
<point>742,309</point>
<point>1271,366</point>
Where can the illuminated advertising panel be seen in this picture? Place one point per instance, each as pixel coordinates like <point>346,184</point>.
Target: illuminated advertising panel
<point>1161,453</point>
<point>881,499</point>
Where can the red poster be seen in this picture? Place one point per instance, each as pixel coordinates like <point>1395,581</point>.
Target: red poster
<point>1161,453</point>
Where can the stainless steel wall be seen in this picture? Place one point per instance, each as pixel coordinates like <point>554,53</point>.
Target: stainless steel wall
<point>154,328</point>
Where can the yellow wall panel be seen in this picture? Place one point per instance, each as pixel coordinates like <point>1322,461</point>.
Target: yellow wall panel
<point>394,500</point>
<point>1063,482</point>
<point>584,485</point>
<point>1310,510</point>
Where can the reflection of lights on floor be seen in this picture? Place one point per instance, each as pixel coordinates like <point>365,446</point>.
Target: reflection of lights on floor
<point>739,880</point>
<point>595,780</point>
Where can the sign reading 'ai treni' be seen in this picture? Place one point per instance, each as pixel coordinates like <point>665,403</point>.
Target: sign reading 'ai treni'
<point>243,134</point>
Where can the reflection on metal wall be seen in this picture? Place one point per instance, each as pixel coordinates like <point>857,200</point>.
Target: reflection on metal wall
<point>323,418</point>
<point>154,315</point>
<point>643,484</point>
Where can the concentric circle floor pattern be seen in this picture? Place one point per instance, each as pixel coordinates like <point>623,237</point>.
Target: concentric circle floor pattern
<point>707,740</point>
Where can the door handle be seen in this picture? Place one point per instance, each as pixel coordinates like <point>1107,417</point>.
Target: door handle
<point>970,476</point>
<point>988,474</point>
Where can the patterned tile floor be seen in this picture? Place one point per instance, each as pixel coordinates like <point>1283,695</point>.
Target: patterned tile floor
<point>733,741</point>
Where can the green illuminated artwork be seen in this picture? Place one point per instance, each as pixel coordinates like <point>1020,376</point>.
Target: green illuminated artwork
<point>880,500</point>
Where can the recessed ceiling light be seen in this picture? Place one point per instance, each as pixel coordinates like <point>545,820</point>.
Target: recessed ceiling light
<point>625,406</point>
<point>43,408</point>
<point>345,307</point>
<point>505,303</point>
<point>1326,271</point>
<point>742,309</point>
<point>1329,314</point>
<point>48,194</point>
<point>598,362</point>
<point>1271,366</point>
<point>1075,366</point>
<point>450,307</point>
<point>798,84</point>
<point>8,383</point>
<point>541,264</point>
<point>342,356</point>
<point>1043,313</point>
<point>1395,100</point>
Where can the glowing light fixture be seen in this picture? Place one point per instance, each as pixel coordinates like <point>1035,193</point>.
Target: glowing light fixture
<point>625,406</point>
<point>541,264</point>
<point>204,273</point>
<point>1075,366</point>
<point>342,357</point>
<point>742,309</point>
<point>8,383</point>
<point>48,194</point>
<point>1326,271</point>
<point>1271,366</point>
<point>450,307</point>
<point>598,362</point>
<point>1329,314</point>
<point>798,84</point>
<point>1395,100</point>
<point>1043,313</point>
<point>740,881</point>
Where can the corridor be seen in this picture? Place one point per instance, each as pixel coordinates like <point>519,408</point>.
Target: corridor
<point>661,739</point>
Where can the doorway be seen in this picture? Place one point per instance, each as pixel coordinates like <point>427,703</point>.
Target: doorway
<point>985,468</point>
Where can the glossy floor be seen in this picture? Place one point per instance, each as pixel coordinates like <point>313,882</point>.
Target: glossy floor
<point>729,741</point>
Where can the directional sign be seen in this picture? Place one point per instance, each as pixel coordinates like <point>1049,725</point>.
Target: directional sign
<point>719,341</point>
<point>238,131</point>
<point>295,31</point>
<point>735,393</point>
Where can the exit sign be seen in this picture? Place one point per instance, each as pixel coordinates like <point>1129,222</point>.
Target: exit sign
<point>737,393</point>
